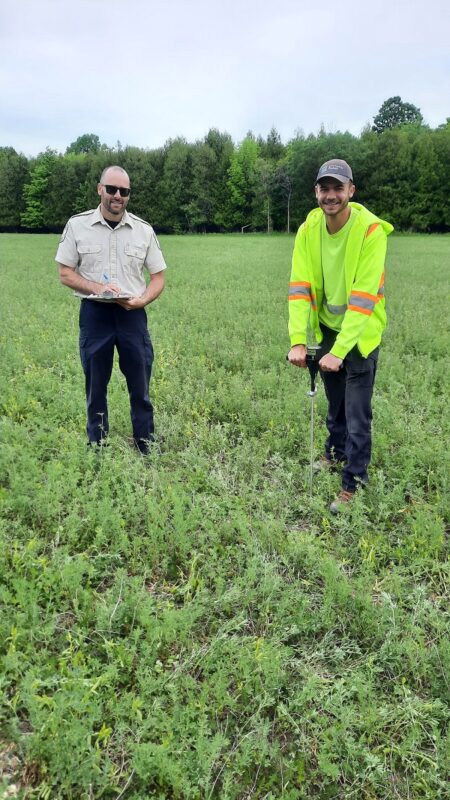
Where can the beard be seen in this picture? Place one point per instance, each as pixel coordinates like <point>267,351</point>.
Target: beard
<point>334,207</point>
<point>112,206</point>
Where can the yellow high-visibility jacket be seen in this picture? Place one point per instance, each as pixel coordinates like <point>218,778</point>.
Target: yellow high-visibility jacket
<point>365,315</point>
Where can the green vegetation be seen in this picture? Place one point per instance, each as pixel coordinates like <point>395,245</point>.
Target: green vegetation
<point>194,625</point>
<point>401,169</point>
<point>393,113</point>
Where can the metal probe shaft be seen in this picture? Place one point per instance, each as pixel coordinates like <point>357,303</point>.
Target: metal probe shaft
<point>313,368</point>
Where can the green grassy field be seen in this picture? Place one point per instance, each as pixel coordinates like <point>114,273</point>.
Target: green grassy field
<point>195,625</point>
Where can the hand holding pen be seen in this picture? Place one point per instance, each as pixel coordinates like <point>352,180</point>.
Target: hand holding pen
<point>109,289</point>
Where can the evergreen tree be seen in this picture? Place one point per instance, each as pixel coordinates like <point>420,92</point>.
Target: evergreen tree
<point>14,173</point>
<point>441,145</point>
<point>222,146</point>
<point>144,179</point>
<point>271,148</point>
<point>59,200</point>
<point>176,185</point>
<point>200,208</point>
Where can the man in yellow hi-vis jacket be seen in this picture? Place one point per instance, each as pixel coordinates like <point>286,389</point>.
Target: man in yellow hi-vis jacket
<point>337,294</point>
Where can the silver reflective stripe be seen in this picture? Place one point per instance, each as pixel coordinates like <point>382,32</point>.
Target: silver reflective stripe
<point>381,291</point>
<point>300,290</point>
<point>336,309</point>
<point>362,302</point>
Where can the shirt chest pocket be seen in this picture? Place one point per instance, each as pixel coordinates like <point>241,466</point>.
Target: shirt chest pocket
<point>134,258</point>
<point>90,260</point>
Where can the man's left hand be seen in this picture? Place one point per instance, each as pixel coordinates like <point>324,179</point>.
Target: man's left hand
<point>132,303</point>
<point>152,291</point>
<point>329,363</point>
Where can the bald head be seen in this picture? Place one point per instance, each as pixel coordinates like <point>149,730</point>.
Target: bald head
<point>105,172</point>
<point>113,201</point>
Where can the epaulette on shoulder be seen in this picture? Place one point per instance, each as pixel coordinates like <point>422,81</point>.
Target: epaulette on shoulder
<point>83,213</point>
<point>139,219</point>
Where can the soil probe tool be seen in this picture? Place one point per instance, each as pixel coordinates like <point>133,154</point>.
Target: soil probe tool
<point>313,367</point>
<point>312,362</point>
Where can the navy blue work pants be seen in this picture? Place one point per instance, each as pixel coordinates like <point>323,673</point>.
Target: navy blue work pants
<point>349,417</point>
<point>103,327</point>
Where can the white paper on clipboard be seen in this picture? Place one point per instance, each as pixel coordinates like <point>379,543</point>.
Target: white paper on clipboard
<point>109,296</point>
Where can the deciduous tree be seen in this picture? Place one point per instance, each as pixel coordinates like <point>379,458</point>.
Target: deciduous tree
<point>35,191</point>
<point>241,183</point>
<point>395,112</point>
<point>87,143</point>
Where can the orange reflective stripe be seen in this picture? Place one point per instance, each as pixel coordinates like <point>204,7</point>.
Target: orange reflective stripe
<point>366,294</point>
<point>360,310</point>
<point>300,297</point>
<point>372,228</point>
<point>382,280</point>
<point>301,290</point>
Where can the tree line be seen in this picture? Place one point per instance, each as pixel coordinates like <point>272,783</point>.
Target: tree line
<point>401,169</point>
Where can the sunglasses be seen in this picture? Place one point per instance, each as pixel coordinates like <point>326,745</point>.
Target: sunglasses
<point>113,189</point>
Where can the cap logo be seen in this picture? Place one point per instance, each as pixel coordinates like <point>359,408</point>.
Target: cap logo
<point>332,168</point>
<point>338,169</point>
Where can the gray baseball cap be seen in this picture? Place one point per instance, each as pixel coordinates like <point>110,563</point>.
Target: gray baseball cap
<point>336,168</point>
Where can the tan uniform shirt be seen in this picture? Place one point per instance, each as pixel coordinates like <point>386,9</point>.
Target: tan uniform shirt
<point>99,253</point>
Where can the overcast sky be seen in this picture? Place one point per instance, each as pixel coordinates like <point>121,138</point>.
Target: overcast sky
<point>141,71</point>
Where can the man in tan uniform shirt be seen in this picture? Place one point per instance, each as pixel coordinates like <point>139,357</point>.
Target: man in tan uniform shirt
<point>102,255</point>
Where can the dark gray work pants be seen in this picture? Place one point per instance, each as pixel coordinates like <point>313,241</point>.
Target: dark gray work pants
<point>349,417</point>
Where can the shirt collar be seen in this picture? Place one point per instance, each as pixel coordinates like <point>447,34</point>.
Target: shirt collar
<point>98,217</point>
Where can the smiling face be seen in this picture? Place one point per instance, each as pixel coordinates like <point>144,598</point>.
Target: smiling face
<point>333,198</point>
<point>113,205</point>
